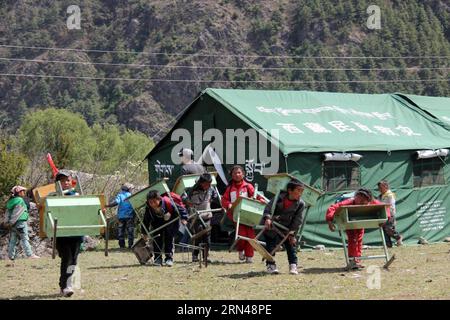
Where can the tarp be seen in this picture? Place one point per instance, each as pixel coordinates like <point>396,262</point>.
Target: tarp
<point>437,107</point>
<point>323,121</point>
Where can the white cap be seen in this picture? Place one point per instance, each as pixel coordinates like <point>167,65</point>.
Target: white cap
<point>16,189</point>
<point>186,153</point>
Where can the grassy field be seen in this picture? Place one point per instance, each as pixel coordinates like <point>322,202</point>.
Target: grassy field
<point>419,272</point>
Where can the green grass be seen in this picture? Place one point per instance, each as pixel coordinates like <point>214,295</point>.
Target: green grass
<point>419,272</point>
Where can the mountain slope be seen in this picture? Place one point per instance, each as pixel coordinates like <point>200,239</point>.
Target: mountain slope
<point>204,42</point>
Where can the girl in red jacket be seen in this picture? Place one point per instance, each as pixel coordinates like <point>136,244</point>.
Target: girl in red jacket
<point>240,187</point>
<point>362,196</point>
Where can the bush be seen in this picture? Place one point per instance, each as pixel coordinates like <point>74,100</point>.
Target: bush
<point>12,165</point>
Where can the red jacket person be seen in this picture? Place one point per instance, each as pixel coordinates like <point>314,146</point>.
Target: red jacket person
<point>363,196</point>
<point>240,187</point>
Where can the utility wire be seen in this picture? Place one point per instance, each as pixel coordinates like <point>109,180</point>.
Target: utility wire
<point>132,65</point>
<point>216,81</point>
<point>220,55</point>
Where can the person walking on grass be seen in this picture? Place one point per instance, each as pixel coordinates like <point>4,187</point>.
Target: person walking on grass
<point>289,212</point>
<point>68,247</point>
<point>387,196</point>
<point>17,221</point>
<point>236,188</point>
<point>125,215</point>
<point>199,197</point>
<point>159,211</point>
<point>363,196</point>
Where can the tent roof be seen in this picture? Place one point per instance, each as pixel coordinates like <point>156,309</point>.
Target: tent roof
<point>309,121</point>
<point>438,107</point>
<point>323,121</point>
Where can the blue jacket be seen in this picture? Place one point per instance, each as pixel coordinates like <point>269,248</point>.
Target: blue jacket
<point>124,210</point>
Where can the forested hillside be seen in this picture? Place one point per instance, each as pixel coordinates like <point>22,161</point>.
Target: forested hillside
<point>136,49</point>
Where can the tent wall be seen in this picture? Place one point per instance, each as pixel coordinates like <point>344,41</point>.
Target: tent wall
<point>212,115</point>
<point>421,212</point>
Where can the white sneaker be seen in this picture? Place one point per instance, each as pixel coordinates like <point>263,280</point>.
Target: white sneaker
<point>33,256</point>
<point>67,292</point>
<point>169,262</point>
<point>293,269</point>
<point>248,260</point>
<point>241,255</point>
<point>272,269</point>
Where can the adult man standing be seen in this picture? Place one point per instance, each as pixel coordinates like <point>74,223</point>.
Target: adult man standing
<point>189,166</point>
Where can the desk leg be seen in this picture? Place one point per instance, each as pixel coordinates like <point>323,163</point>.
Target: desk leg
<point>233,245</point>
<point>341,233</point>
<point>141,222</point>
<point>55,226</point>
<point>300,233</point>
<point>206,253</point>
<point>106,238</point>
<point>386,253</point>
<point>279,244</point>
<point>236,237</point>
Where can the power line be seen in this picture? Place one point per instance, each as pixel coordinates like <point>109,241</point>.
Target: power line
<point>132,65</point>
<point>217,81</point>
<point>220,55</point>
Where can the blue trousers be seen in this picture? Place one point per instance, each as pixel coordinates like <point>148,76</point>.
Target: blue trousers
<point>19,232</point>
<point>126,225</point>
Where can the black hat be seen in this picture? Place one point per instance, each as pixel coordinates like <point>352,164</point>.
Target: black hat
<point>366,193</point>
<point>61,174</point>
<point>127,187</point>
<point>205,177</point>
<point>295,183</point>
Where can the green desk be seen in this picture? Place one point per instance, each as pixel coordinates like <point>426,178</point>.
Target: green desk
<point>74,216</point>
<point>363,217</point>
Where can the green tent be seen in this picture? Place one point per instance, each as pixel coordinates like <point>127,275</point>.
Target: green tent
<point>436,107</point>
<point>335,142</point>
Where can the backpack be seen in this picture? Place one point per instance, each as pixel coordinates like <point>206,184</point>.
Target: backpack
<point>176,198</point>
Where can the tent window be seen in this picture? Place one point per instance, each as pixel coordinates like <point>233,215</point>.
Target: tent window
<point>341,175</point>
<point>428,172</point>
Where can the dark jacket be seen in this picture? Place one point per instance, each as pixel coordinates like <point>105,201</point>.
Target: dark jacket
<point>291,217</point>
<point>151,217</point>
<point>192,168</point>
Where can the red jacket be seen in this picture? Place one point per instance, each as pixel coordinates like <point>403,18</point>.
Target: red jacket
<point>233,191</point>
<point>349,202</point>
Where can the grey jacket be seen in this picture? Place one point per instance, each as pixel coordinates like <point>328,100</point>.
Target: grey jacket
<point>201,199</point>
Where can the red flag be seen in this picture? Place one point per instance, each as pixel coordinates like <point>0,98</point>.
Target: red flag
<point>52,164</point>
